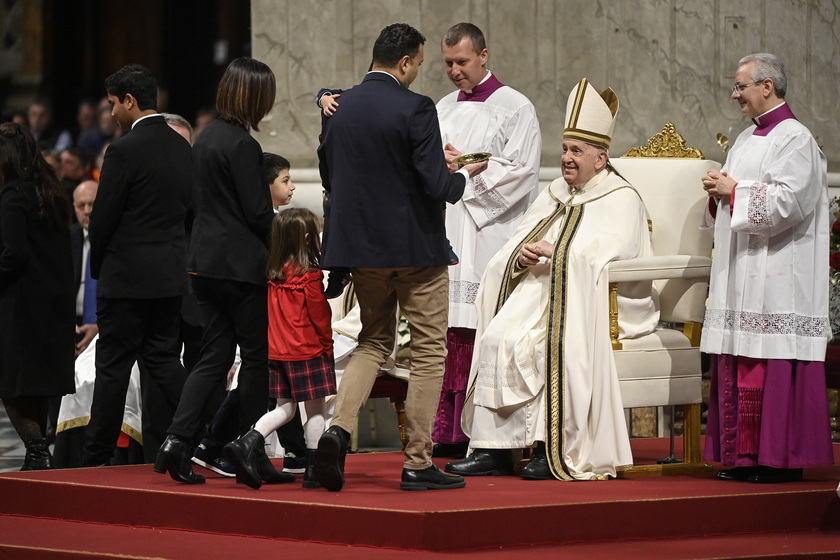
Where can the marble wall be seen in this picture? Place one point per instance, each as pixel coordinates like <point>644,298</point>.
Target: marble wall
<point>668,60</point>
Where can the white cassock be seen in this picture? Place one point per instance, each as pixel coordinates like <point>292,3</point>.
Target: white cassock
<point>75,408</point>
<point>769,286</point>
<point>543,369</point>
<point>504,124</point>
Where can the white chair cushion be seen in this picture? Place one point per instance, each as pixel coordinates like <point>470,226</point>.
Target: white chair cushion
<point>658,369</point>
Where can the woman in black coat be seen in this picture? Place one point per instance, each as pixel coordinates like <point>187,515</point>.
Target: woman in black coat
<point>37,303</point>
<point>227,258</point>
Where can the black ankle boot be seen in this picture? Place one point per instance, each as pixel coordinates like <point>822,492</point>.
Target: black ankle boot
<point>309,478</point>
<point>268,473</point>
<point>243,453</point>
<point>174,458</point>
<point>38,456</point>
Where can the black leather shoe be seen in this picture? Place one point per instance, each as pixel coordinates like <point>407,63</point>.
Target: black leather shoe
<point>268,472</point>
<point>329,463</point>
<point>739,474</point>
<point>243,454</point>
<point>537,468</point>
<point>309,478</point>
<point>174,457</point>
<point>484,462</point>
<point>770,475</point>
<point>453,450</point>
<point>430,479</point>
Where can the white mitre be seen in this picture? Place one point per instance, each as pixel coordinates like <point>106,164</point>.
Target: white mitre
<point>590,116</point>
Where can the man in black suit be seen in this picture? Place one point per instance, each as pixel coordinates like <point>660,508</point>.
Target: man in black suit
<point>138,255</point>
<point>382,162</point>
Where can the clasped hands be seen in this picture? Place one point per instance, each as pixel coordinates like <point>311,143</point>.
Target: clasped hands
<point>718,184</point>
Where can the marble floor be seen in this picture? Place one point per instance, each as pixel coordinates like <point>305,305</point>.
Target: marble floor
<point>11,448</point>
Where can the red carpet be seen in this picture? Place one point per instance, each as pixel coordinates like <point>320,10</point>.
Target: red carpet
<point>58,513</point>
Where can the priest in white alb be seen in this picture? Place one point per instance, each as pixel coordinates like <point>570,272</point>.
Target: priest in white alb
<point>482,115</point>
<point>766,323</point>
<point>543,370</point>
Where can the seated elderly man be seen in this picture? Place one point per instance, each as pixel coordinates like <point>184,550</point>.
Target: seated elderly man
<point>543,370</point>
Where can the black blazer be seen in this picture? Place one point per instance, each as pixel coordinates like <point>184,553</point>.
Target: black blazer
<point>136,227</point>
<point>232,204</point>
<point>381,159</point>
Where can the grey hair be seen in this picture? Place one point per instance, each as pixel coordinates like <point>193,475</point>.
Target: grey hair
<point>768,66</point>
<point>178,120</point>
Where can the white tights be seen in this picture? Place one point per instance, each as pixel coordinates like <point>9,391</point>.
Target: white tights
<point>316,420</point>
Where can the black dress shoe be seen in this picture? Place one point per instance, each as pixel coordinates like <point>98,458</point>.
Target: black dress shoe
<point>484,462</point>
<point>537,468</point>
<point>430,479</point>
<point>454,450</point>
<point>770,475</point>
<point>309,478</point>
<point>739,474</point>
<point>174,457</point>
<point>329,463</point>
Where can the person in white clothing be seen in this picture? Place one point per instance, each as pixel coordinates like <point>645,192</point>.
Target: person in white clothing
<point>482,115</point>
<point>766,323</point>
<point>543,371</point>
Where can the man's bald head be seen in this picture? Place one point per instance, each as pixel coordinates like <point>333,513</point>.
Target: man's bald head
<point>83,197</point>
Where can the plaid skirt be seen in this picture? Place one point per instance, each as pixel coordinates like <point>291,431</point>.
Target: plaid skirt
<point>302,380</point>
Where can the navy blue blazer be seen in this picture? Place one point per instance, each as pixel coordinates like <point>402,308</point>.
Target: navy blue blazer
<point>137,231</point>
<point>381,159</point>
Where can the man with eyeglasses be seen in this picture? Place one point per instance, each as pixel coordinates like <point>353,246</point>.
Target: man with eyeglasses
<point>766,323</point>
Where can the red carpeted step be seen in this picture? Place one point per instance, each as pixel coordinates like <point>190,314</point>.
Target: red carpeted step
<point>30,539</point>
<point>490,511</point>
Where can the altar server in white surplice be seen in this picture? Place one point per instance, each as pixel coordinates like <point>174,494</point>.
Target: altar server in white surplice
<point>543,370</point>
<point>766,323</point>
<point>482,115</point>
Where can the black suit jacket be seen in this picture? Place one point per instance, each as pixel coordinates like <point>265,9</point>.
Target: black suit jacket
<point>136,227</point>
<point>381,159</point>
<point>232,204</point>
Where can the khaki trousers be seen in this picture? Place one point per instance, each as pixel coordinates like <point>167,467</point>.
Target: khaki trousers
<point>423,297</point>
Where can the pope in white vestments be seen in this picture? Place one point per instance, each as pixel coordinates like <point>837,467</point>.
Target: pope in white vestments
<point>543,370</point>
<point>766,323</point>
<point>482,115</point>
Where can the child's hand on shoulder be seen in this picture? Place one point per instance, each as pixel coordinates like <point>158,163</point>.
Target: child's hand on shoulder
<point>329,103</point>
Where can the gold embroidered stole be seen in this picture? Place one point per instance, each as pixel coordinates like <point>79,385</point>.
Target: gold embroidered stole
<point>555,363</point>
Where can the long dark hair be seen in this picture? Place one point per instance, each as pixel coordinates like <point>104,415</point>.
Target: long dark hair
<point>22,162</point>
<point>290,244</point>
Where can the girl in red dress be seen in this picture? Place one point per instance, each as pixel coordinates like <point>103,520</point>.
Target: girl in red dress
<point>300,345</point>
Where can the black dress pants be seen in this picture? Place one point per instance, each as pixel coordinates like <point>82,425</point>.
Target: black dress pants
<point>232,313</point>
<point>131,330</point>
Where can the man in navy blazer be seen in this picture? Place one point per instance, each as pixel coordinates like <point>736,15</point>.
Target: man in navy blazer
<point>138,256</point>
<point>382,162</point>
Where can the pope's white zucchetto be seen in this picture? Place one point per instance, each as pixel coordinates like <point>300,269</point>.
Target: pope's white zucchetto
<point>590,116</point>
